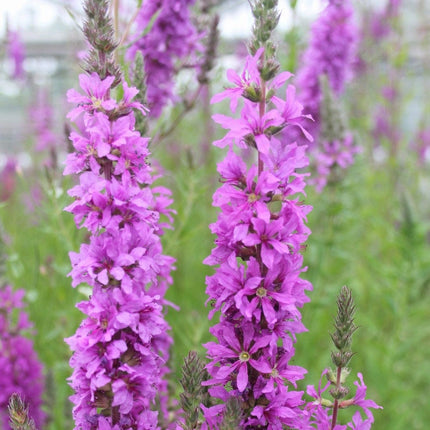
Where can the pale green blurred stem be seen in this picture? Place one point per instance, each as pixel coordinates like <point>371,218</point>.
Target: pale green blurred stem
<point>115,6</point>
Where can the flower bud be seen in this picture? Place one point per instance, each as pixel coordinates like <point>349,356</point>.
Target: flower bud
<point>270,70</point>
<point>252,93</point>
<point>339,392</point>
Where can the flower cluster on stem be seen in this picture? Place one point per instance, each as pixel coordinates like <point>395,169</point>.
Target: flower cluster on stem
<point>166,37</point>
<point>260,232</point>
<point>328,59</point>
<point>121,348</point>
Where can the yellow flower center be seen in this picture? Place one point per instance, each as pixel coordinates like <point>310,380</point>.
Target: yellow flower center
<point>244,356</point>
<point>274,373</point>
<point>261,292</point>
<point>96,102</point>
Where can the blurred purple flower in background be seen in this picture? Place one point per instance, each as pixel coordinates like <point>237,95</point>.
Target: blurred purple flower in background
<point>328,61</point>
<point>380,25</point>
<point>15,50</point>
<point>42,121</point>
<point>331,52</point>
<point>167,40</point>
<point>8,179</point>
<point>421,144</point>
<point>21,370</point>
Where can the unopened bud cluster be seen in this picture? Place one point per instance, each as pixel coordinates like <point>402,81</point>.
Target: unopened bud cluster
<point>98,31</point>
<point>18,414</point>
<point>344,328</point>
<point>194,394</point>
<point>266,18</point>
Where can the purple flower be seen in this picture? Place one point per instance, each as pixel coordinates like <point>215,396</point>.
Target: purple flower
<point>331,154</point>
<point>171,39</point>
<point>21,368</point>
<point>250,124</point>
<point>319,416</point>
<point>96,97</point>
<point>236,355</point>
<point>249,78</point>
<point>121,348</point>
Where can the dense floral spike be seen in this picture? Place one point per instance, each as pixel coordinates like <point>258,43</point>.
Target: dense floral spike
<point>260,232</point>
<point>328,61</point>
<point>121,348</point>
<point>331,52</point>
<point>21,369</point>
<point>165,36</point>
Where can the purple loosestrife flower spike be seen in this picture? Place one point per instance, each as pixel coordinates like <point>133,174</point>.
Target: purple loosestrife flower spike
<point>260,234</point>
<point>121,348</point>
<point>21,369</point>
<point>331,52</point>
<point>328,61</point>
<point>166,37</point>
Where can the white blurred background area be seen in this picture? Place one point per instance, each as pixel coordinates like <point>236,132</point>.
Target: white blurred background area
<point>50,33</point>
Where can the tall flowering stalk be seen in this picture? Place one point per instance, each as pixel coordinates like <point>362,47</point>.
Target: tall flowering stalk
<point>260,234</point>
<point>321,413</point>
<point>122,346</point>
<point>329,58</point>
<point>166,37</point>
<point>21,370</point>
